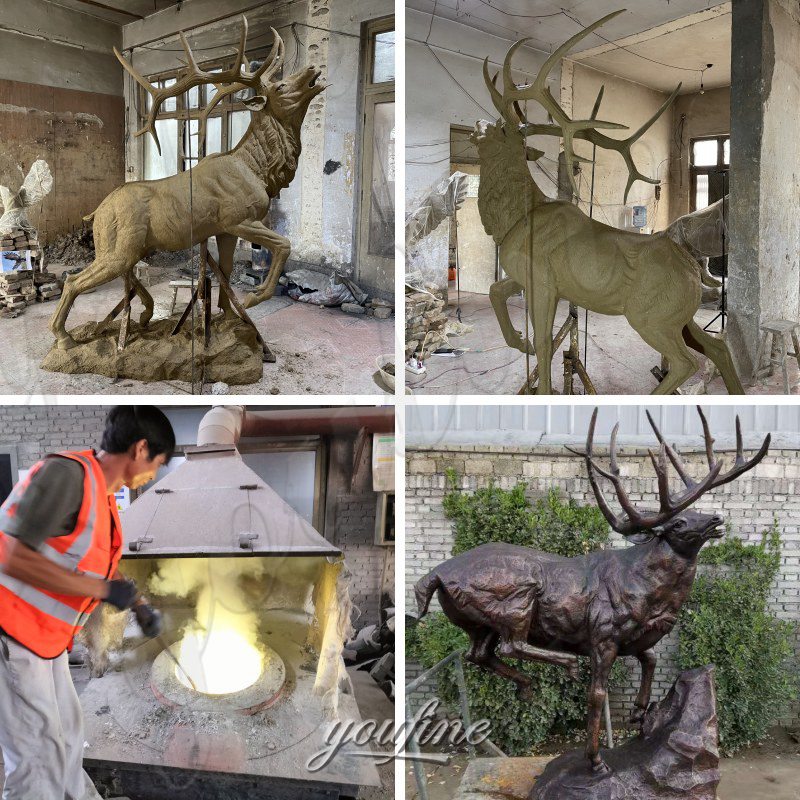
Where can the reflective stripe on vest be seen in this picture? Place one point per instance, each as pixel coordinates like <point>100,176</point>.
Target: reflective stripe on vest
<point>39,600</point>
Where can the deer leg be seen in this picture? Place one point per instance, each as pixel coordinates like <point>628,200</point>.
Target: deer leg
<point>602,660</point>
<point>481,653</point>
<point>661,335</point>
<point>647,659</point>
<point>517,647</point>
<point>278,245</point>
<point>499,294</point>
<point>543,306</point>
<point>226,245</point>
<point>715,349</point>
<point>100,271</point>
<point>145,297</point>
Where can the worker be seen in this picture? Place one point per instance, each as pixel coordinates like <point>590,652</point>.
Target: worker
<point>60,544</point>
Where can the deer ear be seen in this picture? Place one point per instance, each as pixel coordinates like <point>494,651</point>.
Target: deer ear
<point>257,103</point>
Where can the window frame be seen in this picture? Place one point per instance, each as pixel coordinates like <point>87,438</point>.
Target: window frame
<point>719,167</point>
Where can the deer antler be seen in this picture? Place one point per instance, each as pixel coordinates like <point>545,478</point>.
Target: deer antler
<point>233,80</point>
<point>565,127</point>
<point>669,504</point>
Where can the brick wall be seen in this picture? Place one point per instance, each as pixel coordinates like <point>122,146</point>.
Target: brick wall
<point>38,430</point>
<point>748,506</point>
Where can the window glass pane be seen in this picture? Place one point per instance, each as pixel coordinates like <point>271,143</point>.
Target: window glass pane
<point>381,206</point>
<point>161,166</point>
<point>214,135</point>
<point>239,122</point>
<point>170,104</point>
<point>190,132</point>
<point>701,195</point>
<point>193,97</point>
<point>383,59</point>
<point>726,151</point>
<point>705,153</point>
<point>212,90</point>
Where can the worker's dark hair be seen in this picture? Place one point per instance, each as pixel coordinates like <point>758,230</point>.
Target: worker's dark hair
<point>126,425</point>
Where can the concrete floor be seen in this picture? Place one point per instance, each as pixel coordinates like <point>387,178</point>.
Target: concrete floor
<point>319,350</point>
<point>617,360</point>
<point>744,777</point>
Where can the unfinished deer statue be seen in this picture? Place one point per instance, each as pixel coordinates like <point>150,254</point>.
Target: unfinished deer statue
<point>553,251</point>
<point>542,607</point>
<point>230,193</point>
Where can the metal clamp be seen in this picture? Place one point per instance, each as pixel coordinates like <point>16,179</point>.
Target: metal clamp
<point>138,544</point>
<point>246,540</point>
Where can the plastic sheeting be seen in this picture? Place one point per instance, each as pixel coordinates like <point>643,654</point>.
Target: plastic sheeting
<point>37,185</point>
<point>440,203</point>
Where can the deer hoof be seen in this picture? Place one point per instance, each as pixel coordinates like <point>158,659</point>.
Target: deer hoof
<point>144,319</point>
<point>599,767</point>
<point>65,342</point>
<point>251,300</point>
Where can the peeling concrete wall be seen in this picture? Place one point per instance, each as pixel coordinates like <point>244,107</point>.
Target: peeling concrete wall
<point>764,272</point>
<point>437,102</point>
<point>79,135</point>
<point>318,211</point>
<point>707,114</point>
<point>630,104</point>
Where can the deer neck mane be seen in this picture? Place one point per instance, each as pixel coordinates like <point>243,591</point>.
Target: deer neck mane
<point>271,149</point>
<point>662,567</point>
<point>507,192</point>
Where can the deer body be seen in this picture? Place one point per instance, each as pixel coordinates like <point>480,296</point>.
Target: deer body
<point>226,195</point>
<point>553,251</point>
<point>521,603</point>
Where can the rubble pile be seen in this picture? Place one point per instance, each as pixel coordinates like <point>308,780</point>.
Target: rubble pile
<point>426,321</point>
<point>372,648</point>
<point>72,249</point>
<point>316,288</point>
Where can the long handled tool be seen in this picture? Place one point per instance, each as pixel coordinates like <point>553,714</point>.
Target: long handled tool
<point>165,647</point>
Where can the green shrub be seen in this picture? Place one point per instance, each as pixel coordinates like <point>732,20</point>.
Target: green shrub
<point>725,622</point>
<point>498,515</point>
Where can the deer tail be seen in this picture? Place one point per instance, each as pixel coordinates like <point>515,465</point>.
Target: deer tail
<point>89,217</point>
<point>424,590</point>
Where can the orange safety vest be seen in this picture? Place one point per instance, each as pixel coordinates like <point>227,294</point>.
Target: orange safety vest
<point>46,622</point>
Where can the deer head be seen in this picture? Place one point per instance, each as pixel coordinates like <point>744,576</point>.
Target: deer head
<point>509,103</point>
<point>686,531</point>
<point>287,99</point>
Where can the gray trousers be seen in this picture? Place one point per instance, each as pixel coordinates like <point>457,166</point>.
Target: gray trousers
<point>41,728</point>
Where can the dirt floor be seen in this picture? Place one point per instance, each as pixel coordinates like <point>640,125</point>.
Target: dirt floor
<point>319,350</point>
<point>617,360</point>
<point>769,771</point>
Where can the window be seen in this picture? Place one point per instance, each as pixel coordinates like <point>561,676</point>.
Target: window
<point>710,160</point>
<point>376,210</point>
<point>180,148</point>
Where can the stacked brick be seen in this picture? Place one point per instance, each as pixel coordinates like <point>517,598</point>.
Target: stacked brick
<point>749,505</point>
<point>425,323</point>
<point>17,240</point>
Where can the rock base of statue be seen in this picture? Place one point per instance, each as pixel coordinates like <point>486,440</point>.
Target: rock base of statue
<point>674,758</point>
<point>153,354</point>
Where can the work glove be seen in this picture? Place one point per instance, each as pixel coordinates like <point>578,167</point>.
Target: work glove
<point>121,594</point>
<point>149,620</point>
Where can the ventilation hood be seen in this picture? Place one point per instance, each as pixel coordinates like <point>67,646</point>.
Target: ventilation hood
<point>215,505</point>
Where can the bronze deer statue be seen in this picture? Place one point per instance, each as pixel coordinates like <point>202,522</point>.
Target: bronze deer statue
<point>543,607</point>
<point>553,251</point>
<point>230,193</point>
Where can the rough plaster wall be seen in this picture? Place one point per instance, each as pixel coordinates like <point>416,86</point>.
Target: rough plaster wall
<point>350,525</point>
<point>748,505</point>
<point>630,104</point>
<point>707,114</point>
<point>79,134</point>
<point>434,103</point>
<point>765,164</point>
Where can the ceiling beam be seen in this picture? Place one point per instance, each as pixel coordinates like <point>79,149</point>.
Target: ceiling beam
<point>105,7</point>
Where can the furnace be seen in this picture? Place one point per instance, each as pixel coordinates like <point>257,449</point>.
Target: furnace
<point>248,674</point>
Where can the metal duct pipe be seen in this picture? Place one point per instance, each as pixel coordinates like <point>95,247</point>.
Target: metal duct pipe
<point>221,425</point>
<point>309,421</point>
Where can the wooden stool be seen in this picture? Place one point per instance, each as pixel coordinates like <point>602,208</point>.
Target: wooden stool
<point>777,331</point>
<point>181,283</point>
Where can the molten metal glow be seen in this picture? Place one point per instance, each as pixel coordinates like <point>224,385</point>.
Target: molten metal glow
<point>219,662</point>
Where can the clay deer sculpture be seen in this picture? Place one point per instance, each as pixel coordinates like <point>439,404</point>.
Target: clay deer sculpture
<point>542,607</point>
<point>230,193</point>
<point>553,251</point>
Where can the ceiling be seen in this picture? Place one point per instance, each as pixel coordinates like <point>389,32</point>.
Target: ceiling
<point>119,11</point>
<point>654,30</point>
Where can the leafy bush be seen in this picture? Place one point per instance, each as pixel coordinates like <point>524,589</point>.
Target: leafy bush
<point>725,622</point>
<point>497,515</point>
